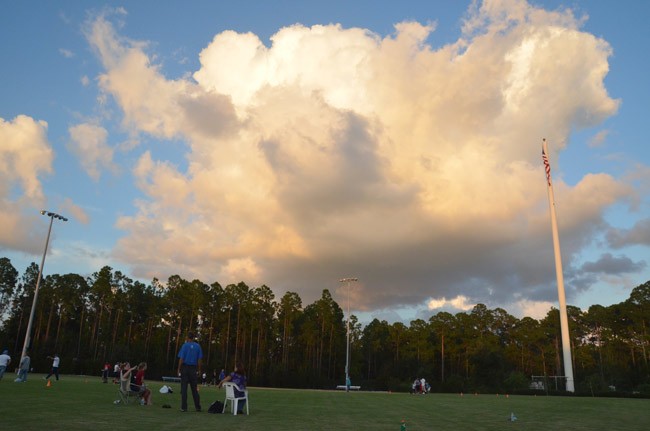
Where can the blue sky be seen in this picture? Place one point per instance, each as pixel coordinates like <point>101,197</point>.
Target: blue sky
<point>296,143</point>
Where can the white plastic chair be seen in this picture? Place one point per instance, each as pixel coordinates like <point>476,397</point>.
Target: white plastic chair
<point>234,400</point>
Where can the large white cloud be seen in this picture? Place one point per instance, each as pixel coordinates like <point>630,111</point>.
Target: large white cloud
<point>336,152</point>
<point>25,157</point>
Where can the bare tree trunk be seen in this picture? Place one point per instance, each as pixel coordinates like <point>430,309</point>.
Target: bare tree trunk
<point>237,333</point>
<point>58,330</point>
<point>259,348</point>
<point>557,356</point>
<point>115,326</point>
<point>250,349</point>
<point>169,342</point>
<point>178,338</point>
<point>20,327</point>
<point>329,353</point>
<point>442,358</point>
<point>128,341</point>
<point>643,343</point>
<point>320,347</point>
<point>37,335</point>
<point>147,342</point>
<point>49,321</point>
<point>97,328</point>
<point>226,357</point>
<point>600,356</point>
<point>81,325</point>
<point>209,346</point>
<point>285,344</point>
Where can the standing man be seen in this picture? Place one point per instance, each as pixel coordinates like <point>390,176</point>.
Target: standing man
<point>5,360</point>
<point>23,368</point>
<point>189,367</point>
<point>55,366</point>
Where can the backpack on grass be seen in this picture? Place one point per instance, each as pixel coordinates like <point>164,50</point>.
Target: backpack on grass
<point>216,407</point>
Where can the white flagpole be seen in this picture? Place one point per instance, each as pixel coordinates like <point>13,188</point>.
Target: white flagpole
<point>564,320</point>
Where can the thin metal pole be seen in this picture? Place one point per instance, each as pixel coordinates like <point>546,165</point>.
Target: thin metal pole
<point>28,333</point>
<point>38,284</point>
<point>347,347</point>
<point>564,320</point>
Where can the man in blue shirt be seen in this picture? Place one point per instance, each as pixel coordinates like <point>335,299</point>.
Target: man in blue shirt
<point>189,367</point>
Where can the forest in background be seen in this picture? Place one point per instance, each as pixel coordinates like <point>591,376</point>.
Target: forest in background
<point>108,317</point>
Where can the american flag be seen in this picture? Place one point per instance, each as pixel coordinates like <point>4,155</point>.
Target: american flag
<point>547,167</point>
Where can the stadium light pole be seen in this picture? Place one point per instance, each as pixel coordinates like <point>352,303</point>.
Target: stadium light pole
<point>52,216</point>
<point>347,281</point>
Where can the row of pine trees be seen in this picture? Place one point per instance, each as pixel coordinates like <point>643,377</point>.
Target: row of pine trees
<point>109,317</point>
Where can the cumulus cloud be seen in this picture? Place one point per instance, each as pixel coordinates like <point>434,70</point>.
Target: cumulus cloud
<point>534,309</point>
<point>88,144</point>
<point>336,151</point>
<point>25,157</point>
<point>598,140</point>
<point>458,303</point>
<point>639,234</point>
<point>69,207</point>
<point>615,265</point>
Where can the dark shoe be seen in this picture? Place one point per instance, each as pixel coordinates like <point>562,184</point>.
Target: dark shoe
<point>198,410</point>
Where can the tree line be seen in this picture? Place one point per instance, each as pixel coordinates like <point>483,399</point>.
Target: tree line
<point>108,317</point>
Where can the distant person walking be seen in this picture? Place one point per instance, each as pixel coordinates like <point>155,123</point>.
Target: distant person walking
<point>55,366</point>
<point>189,367</point>
<point>5,360</point>
<point>23,368</point>
<point>105,371</point>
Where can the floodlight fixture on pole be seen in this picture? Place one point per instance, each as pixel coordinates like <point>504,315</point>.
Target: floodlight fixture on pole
<point>347,281</point>
<point>52,216</point>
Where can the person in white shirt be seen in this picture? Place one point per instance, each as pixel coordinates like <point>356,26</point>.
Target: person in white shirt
<point>23,368</point>
<point>5,360</point>
<point>116,373</point>
<point>55,366</point>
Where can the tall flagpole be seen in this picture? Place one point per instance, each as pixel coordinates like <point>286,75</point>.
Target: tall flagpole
<point>564,320</point>
<point>347,281</point>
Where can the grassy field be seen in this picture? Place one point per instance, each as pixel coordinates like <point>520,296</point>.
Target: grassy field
<point>80,403</point>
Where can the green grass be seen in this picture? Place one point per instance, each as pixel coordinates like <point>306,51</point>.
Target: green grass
<point>80,403</point>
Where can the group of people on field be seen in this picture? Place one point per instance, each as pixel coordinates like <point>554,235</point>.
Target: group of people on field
<point>189,369</point>
<point>133,378</point>
<point>420,386</point>
<point>24,367</point>
<point>190,361</point>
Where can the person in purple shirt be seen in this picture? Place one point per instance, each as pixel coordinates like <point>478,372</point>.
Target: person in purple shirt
<point>238,377</point>
<point>189,368</point>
